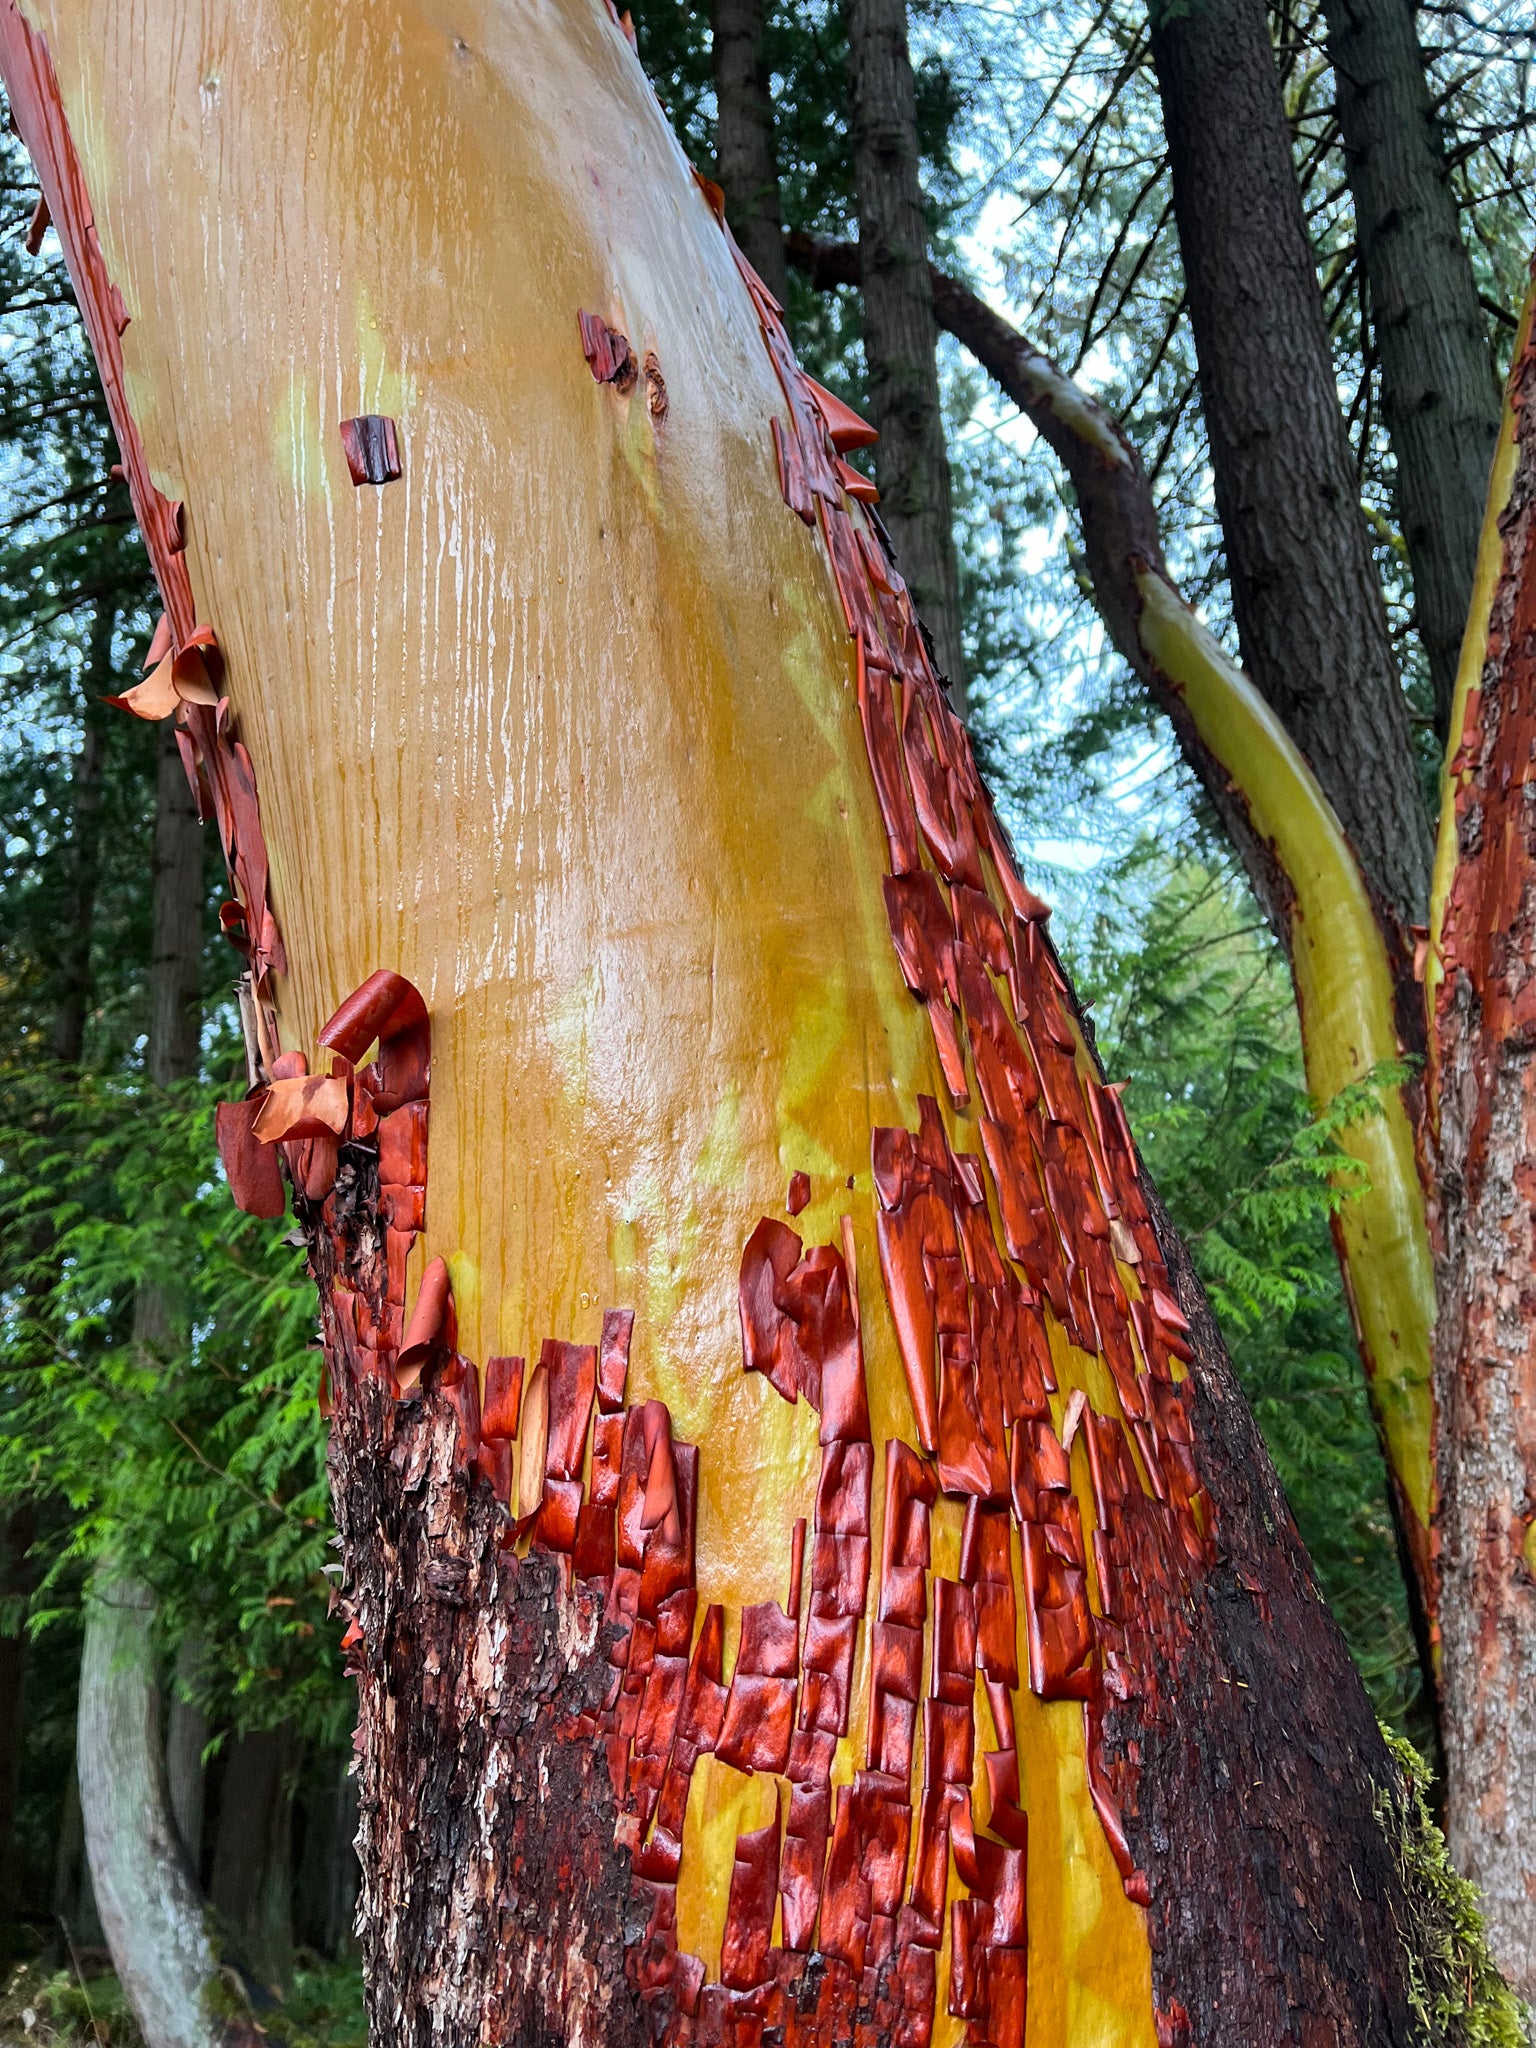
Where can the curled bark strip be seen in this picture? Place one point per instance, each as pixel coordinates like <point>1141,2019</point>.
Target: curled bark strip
<point>385,1006</point>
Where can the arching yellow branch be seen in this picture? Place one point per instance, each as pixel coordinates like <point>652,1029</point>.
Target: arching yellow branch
<point>1344,995</point>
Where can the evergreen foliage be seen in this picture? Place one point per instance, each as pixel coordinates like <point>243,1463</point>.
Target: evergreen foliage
<point>199,1463</point>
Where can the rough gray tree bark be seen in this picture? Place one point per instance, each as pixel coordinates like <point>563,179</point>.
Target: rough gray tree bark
<point>325,1891</point>
<point>900,333</point>
<point>66,1042</point>
<point>1437,381</point>
<point>746,161</point>
<point>150,1906</point>
<point>74,1902</point>
<point>15,1582</point>
<point>151,1911</point>
<point>1305,593</point>
<point>176,959</point>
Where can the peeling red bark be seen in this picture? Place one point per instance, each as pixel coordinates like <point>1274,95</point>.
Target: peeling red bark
<point>1485,1343</point>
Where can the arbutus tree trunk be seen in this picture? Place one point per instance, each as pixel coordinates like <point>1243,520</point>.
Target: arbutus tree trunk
<point>1472,1433</point>
<point>900,336</point>
<point>1305,594</point>
<point>146,1892</point>
<point>658,1025</point>
<point>1484,1128</point>
<point>746,160</point>
<point>1438,389</point>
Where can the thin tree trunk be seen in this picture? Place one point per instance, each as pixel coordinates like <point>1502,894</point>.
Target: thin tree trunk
<point>186,1737</point>
<point>1305,594</point>
<point>176,962</point>
<point>252,1884</point>
<point>1485,1343</point>
<point>151,1910</point>
<point>343,1877</point>
<point>146,1894</point>
<point>900,334</point>
<point>74,1902</point>
<point>746,161</point>
<point>66,1039</point>
<point>325,1894</point>
<point>67,1036</point>
<point>15,1585</point>
<point>1438,387</point>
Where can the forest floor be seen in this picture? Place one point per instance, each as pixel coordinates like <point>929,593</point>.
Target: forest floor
<point>43,2006</point>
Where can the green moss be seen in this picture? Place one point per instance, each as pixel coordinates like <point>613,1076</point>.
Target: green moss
<point>1455,1988</point>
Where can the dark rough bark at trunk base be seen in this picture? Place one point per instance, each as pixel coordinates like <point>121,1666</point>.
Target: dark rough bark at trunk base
<point>1254,1752</point>
<point>494,1905</point>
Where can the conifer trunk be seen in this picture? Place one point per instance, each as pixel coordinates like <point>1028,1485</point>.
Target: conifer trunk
<point>1438,388</point>
<point>1305,594</point>
<point>66,1043</point>
<point>16,1580</point>
<point>186,1737</point>
<point>251,1888</point>
<point>746,160</point>
<point>900,334</point>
